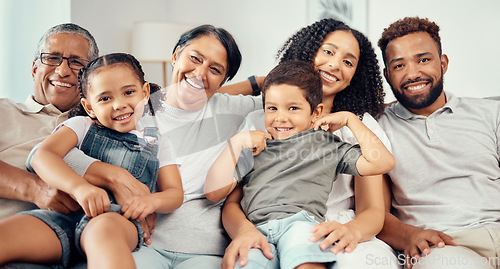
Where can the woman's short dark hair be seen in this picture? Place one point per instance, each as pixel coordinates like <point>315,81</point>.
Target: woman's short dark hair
<point>365,92</point>
<point>227,40</point>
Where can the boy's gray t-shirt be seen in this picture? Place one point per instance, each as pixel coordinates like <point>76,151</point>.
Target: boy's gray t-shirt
<point>296,174</point>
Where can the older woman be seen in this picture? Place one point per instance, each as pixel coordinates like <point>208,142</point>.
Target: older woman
<point>198,121</point>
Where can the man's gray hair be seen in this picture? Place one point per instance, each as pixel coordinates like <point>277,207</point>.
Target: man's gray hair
<point>69,28</point>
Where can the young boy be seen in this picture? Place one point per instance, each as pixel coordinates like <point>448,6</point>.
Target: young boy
<point>284,191</point>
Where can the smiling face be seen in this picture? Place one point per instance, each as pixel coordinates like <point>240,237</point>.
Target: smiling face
<point>287,111</point>
<point>415,70</point>
<point>337,60</point>
<point>116,97</point>
<point>199,70</point>
<point>57,85</point>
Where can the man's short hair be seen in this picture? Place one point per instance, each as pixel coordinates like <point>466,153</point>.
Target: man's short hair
<point>407,26</point>
<point>69,28</point>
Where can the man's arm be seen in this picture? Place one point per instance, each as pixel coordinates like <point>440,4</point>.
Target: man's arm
<point>18,184</point>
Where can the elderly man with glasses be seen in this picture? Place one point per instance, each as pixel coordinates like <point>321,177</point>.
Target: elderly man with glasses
<point>26,124</point>
<point>61,53</point>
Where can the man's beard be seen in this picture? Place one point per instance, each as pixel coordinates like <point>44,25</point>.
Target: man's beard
<point>420,101</point>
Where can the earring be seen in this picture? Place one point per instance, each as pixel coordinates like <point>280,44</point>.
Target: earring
<point>173,63</point>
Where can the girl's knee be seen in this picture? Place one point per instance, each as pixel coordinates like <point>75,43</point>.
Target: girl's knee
<point>109,228</point>
<point>108,225</point>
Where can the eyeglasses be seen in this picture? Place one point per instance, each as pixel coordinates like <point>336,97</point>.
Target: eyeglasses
<point>56,60</point>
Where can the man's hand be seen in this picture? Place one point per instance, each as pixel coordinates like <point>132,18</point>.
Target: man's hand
<point>419,241</point>
<point>47,197</point>
<point>19,184</point>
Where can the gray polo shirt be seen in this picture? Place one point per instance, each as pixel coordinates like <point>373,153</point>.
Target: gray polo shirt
<point>447,165</point>
<point>296,174</point>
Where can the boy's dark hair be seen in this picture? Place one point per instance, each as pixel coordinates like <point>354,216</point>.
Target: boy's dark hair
<point>227,40</point>
<point>407,26</point>
<point>296,73</point>
<point>109,60</point>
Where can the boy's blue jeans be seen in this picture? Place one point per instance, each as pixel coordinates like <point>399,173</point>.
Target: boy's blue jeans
<point>289,240</point>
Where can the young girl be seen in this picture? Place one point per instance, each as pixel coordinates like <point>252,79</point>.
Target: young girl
<point>114,94</point>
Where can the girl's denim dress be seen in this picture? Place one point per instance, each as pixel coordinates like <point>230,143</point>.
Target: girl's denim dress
<point>138,156</point>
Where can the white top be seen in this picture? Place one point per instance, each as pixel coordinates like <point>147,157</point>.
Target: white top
<point>81,124</point>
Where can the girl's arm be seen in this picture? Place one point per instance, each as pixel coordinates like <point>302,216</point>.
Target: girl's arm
<point>243,233</point>
<point>220,178</point>
<point>168,198</point>
<point>375,158</point>
<point>49,165</point>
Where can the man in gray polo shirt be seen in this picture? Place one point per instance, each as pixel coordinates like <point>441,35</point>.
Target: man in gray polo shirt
<point>445,185</point>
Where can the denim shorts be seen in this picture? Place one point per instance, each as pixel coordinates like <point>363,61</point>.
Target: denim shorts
<point>151,257</point>
<point>69,228</point>
<point>289,240</point>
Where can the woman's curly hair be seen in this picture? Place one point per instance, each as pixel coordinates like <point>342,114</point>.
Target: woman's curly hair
<point>365,92</point>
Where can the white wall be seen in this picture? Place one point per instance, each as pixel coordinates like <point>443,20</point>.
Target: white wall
<point>259,26</point>
<point>469,36</point>
<point>469,31</point>
<point>22,23</point>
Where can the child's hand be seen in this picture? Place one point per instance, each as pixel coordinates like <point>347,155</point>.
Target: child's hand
<point>92,199</point>
<point>138,207</point>
<point>333,121</point>
<point>345,237</point>
<point>255,140</point>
